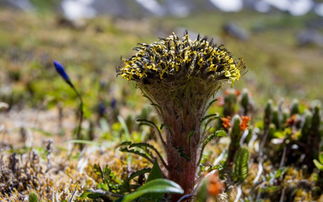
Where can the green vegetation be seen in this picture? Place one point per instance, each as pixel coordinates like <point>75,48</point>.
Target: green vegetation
<point>257,145</point>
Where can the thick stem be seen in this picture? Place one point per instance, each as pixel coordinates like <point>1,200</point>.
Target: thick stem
<point>182,170</point>
<point>181,106</point>
<point>182,148</point>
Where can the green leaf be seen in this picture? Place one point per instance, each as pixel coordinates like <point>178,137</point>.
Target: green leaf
<point>321,157</point>
<point>210,116</point>
<point>125,149</point>
<point>124,127</point>
<point>318,164</point>
<point>100,194</point>
<point>218,133</point>
<point>33,197</point>
<point>155,172</point>
<point>280,172</point>
<point>84,142</point>
<point>103,186</point>
<point>148,123</point>
<point>211,103</point>
<point>202,193</point>
<point>146,148</point>
<point>154,126</point>
<point>125,143</point>
<point>240,171</point>
<point>154,186</point>
<point>270,189</point>
<point>138,173</point>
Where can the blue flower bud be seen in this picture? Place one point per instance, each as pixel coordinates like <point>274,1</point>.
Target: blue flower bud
<point>61,71</point>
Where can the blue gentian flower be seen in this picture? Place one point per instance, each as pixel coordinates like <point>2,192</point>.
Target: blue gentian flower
<point>101,109</point>
<point>113,103</point>
<point>61,71</point>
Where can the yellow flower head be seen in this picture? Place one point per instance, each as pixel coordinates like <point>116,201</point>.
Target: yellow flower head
<point>174,58</point>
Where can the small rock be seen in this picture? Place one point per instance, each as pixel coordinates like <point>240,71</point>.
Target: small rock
<point>4,105</point>
<point>310,37</point>
<point>233,30</point>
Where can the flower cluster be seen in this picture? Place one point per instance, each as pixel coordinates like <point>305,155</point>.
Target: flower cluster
<point>173,57</point>
<point>226,122</point>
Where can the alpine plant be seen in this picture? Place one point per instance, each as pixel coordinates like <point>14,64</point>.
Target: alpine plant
<point>180,75</point>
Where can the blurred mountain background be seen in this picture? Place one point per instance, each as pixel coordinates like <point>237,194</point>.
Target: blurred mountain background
<point>74,9</point>
<point>281,41</point>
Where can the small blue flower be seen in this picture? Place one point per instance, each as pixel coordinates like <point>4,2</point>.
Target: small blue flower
<point>101,109</point>
<point>113,103</point>
<point>61,71</point>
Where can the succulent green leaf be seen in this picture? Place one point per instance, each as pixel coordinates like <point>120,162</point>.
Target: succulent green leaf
<point>249,136</point>
<point>276,118</point>
<point>306,126</point>
<point>240,171</point>
<point>154,186</point>
<point>268,114</point>
<point>316,119</point>
<point>294,109</point>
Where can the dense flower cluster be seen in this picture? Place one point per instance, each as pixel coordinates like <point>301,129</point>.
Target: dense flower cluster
<point>174,57</point>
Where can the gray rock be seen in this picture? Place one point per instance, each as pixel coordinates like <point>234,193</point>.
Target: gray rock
<point>233,30</point>
<point>120,8</point>
<point>24,5</point>
<point>310,37</point>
